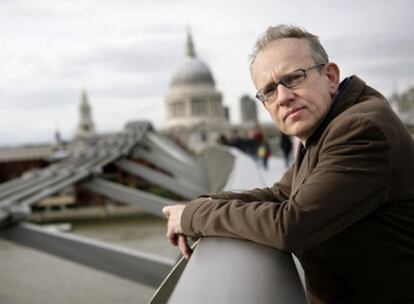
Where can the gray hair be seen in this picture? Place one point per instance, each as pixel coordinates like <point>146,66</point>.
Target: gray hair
<point>281,31</point>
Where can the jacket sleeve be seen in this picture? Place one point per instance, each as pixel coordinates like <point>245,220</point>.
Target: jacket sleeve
<point>349,181</point>
<point>279,192</point>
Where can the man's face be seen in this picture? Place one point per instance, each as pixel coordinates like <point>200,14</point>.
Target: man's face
<point>297,111</point>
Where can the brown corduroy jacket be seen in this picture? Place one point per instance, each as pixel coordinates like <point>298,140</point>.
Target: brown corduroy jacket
<point>345,208</point>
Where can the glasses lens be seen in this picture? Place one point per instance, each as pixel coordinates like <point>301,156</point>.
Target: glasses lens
<point>293,79</point>
<point>270,91</point>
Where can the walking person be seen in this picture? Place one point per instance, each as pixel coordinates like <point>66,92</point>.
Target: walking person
<point>263,153</point>
<point>286,146</point>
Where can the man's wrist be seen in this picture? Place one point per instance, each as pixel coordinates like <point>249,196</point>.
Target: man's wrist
<point>187,215</point>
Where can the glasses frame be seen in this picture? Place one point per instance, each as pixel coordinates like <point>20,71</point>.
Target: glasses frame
<point>260,96</point>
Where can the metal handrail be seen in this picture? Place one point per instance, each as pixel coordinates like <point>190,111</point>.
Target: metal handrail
<point>224,270</point>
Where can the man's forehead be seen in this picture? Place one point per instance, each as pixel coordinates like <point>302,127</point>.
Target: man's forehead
<point>279,57</point>
<point>285,51</point>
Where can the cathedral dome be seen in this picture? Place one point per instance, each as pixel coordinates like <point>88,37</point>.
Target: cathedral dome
<point>192,71</point>
<point>193,103</point>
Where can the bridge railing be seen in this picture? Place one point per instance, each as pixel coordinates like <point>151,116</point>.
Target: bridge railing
<point>224,270</point>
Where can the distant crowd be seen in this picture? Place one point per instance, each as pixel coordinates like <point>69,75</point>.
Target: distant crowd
<point>252,144</point>
<point>255,145</point>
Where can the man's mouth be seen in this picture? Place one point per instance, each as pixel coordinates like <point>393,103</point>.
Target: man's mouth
<point>292,111</point>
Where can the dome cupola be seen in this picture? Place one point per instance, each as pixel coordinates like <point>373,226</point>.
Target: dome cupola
<point>194,110</point>
<point>192,71</point>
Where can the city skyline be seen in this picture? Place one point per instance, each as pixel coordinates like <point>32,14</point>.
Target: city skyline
<point>125,54</point>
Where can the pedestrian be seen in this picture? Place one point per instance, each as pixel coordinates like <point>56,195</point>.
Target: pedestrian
<point>286,146</point>
<point>263,153</point>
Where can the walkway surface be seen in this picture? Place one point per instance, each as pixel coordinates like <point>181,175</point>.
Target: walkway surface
<point>275,171</point>
<point>248,174</point>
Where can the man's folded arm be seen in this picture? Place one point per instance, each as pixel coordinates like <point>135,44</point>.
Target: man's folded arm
<point>350,180</point>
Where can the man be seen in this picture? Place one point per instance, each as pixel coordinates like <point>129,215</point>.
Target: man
<point>346,206</point>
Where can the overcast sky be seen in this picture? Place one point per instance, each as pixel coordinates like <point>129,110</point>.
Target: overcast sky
<point>123,53</point>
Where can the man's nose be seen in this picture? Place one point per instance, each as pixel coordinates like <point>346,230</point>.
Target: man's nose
<point>284,95</point>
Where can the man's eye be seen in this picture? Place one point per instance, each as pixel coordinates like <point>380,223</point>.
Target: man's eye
<point>270,89</point>
<point>292,79</point>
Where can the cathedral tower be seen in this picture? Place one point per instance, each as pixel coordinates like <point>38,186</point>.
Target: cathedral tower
<point>195,113</point>
<point>86,127</point>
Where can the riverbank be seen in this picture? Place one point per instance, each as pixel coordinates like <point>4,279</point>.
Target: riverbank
<point>90,213</point>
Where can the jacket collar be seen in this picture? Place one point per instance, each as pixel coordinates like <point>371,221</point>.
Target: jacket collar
<point>346,97</point>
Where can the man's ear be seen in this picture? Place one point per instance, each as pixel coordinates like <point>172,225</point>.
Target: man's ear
<point>333,74</point>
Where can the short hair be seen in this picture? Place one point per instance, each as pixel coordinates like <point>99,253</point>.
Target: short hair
<point>281,31</point>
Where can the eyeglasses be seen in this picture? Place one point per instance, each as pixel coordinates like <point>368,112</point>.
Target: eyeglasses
<point>291,80</point>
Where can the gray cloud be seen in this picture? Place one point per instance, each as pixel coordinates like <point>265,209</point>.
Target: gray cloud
<point>140,57</point>
<point>47,98</point>
<point>57,47</point>
<point>154,88</point>
<point>378,47</point>
<point>385,59</point>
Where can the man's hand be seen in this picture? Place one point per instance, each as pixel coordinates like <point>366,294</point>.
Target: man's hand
<point>174,231</point>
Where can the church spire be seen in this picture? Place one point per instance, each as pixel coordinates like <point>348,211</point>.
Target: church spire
<point>190,45</point>
<point>86,127</point>
<point>84,98</point>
